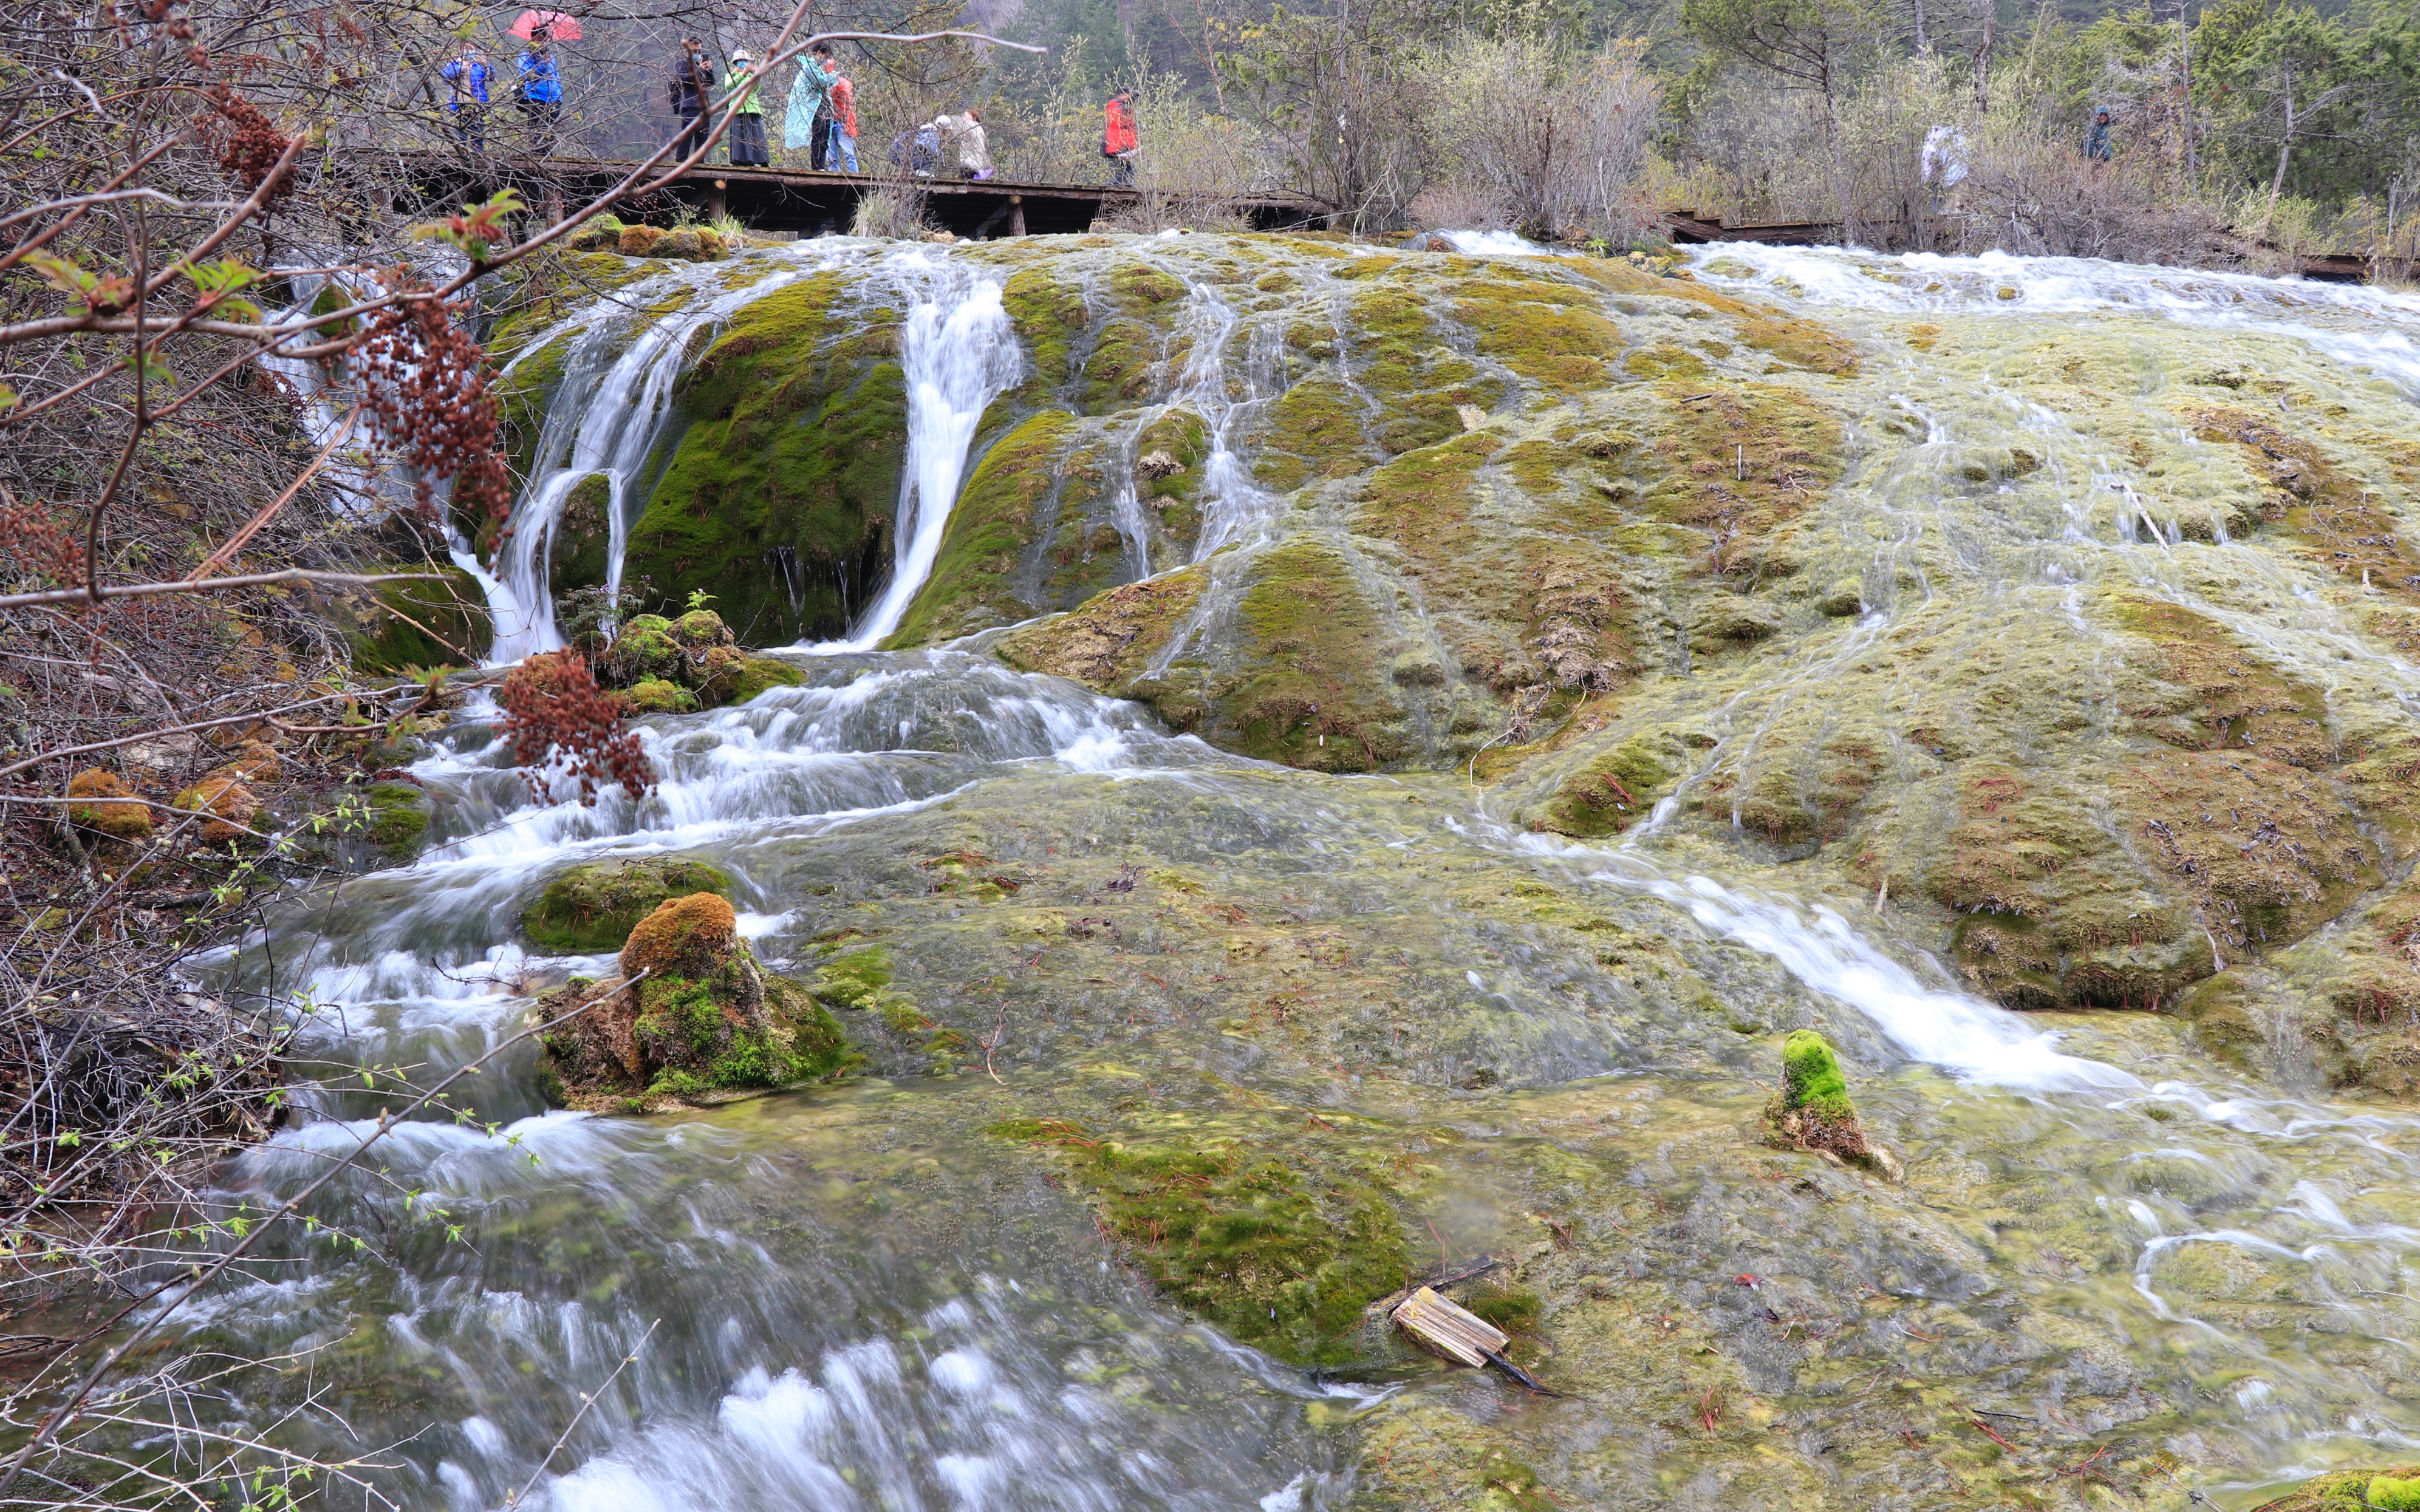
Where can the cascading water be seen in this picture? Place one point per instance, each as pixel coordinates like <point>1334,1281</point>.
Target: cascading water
<point>617,381</point>
<point>864,1299</point>
<point>959,352</point>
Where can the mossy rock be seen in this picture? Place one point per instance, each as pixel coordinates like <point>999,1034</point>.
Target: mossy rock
<point>583,536</point>
<point>393,626</point>
<point>2351,1490</point>
<point>398,820</point>
<point>980,577</point>
<point>691,1019</point>
<point>1278,1253</point>
<point>592,908</point>
<point>758,674</point>
<point>776,492</point>
<point>645,650</point>
<point>1608,794</point>
<point>653,695</point>
<point>104,804</point>
<point>1313,688</point>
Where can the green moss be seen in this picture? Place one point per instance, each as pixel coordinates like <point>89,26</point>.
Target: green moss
<point>1546,332</point>
<point>523,393</point>
<point>1107,641</point>
<point>1608,794</point>
<point>1050,316</point>
<point>991,529</point>
<point>2344,1490</point>
<point>1274,1252</point>
<point>756,674</point>
<point>853,979</point>
<point>1314,432</point>
<point>393,626</point>
<point>1313,692</point>
<point>656,696</point>
<point>1811,1077</point>
<point>1515,1309</point>
<point>399,818</point>
<point>2395,1492</point>
<point>591,908</point>
<point>781,485</point>
<point>645,651</point>
<point>584,536</point>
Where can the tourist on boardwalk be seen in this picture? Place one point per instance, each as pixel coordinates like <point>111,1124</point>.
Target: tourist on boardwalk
<point>807,122</point>
<point>692,89</point>
<point>469,74</point>
<point>974,153</point>
<point>918,149</point>
<point>1119,140</point>
<point>842,157</point>
<point>541,89</point>
<point>748,118</point>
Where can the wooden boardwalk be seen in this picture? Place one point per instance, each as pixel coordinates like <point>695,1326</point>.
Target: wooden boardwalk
<point>811,204</point>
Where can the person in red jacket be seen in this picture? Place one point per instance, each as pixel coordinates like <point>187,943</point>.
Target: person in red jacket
<point>1119,142</point>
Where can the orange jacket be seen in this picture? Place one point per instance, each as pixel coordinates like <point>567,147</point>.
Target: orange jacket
<point>843,106</point>
<point>1120,137</point>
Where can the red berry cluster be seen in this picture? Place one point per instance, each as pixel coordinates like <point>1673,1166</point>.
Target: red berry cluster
<point>555,712</point>
<point>246,142</point>
<point>32,539</point>
<point>429,385</point>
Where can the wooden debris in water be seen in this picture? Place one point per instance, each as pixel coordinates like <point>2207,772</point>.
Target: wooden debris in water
<point>1444,1277</point>
<point>1452,1331</point>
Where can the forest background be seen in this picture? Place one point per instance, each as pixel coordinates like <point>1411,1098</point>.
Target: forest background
<point>2235,124</point>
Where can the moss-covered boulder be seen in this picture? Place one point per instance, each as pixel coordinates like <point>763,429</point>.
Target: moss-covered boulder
<point>778,487</point>
<point>592,908</point>
<point>228,806</point>
<point>758,674</point>
<point>1812,1111</point>
<point>418,622</point>
<point>691,1018</point>
<point>583,536</point>
<point>656,695</point>
<point>105,804</point>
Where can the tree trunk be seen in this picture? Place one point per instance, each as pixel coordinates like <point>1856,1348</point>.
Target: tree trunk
<point>1832,133</point>
<point>1989,11</point>
<point>1921,45</point>
<point>2285,150</point>
<point>2184,56</point>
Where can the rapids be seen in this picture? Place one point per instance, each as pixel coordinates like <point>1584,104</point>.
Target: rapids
<point>861,1296</point>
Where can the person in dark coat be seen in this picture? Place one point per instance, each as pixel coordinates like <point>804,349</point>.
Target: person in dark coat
<point>691,87</point>
<point>2096,145</point>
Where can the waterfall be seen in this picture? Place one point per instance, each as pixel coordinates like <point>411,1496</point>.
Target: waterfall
<point>959,352</point>
<point>605,419</point>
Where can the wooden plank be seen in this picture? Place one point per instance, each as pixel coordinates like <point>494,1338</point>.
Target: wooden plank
<point>1457,1334</point>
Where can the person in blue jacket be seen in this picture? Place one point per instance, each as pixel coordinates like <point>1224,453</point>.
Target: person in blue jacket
<point>542,85</point>
<point>469,74</point>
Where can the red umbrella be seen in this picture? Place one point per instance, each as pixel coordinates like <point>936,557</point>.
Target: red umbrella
<point>558,26</point>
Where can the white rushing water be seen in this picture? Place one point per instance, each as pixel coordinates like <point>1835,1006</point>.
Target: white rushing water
<point>604,420</point>
<point>2363,327</point>
<point>959,351</point>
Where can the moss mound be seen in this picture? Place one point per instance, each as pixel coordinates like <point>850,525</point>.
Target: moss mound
<point>594,908</point>
<point>1812,1111</point>
<point>105,805</point>
<point>395,626</point>
<point>777,494</point>
<point>692,1018</point>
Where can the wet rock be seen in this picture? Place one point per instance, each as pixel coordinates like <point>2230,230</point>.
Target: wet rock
<point>593,907</point>
<point>1842,599</point>
<point>107,806</point>
<point>691,1019</point>
<point>1154,465</point>
<point>654,695</point>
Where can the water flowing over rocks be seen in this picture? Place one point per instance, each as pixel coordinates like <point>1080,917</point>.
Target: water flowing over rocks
<point>1303,764</point>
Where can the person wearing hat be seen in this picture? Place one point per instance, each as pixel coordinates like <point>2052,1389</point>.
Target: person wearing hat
<point>469,76</point>
<point>748,117</point>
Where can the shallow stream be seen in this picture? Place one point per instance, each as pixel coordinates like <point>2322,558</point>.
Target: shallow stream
<point>853,1297</point>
